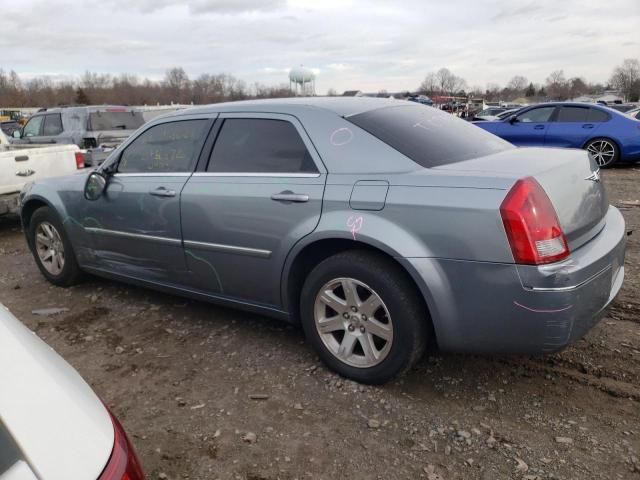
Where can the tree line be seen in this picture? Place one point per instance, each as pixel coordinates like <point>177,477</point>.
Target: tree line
<point>126,89</point>
<point>177,87</point>
<point>624,78</point>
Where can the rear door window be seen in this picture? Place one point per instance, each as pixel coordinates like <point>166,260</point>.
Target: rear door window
<point>259,145</point>
<point>428,136</point>
<point>536,115</point>
<point>573,114</point>
<point>168,147</point>
<point>52,125</point>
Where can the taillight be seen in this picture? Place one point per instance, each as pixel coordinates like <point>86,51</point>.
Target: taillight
<point>123,463</point>
<point>532,225</point>
<point>79,160</point>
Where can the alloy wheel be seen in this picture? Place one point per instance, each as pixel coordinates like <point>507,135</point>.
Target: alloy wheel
<point>353,322</point>
<point>602,151</point>
<point>50,248</point>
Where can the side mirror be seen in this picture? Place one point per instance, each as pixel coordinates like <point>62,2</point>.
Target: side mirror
<point>16,134</point>
<point>513,120</point>
<point>94,186</point>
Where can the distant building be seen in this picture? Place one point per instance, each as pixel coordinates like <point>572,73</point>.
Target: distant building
<point>353,93</point>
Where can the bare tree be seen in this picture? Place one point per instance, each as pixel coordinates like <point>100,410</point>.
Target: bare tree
<point>626,78</point>
<point>518,84</point>
<point>178,84</point>
<point>429,85</point>
<point>557,85</point>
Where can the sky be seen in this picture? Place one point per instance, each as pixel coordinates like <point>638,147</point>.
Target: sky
<point>365,45</point>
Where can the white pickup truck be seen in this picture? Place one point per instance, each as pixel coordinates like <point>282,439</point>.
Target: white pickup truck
<point>20,164</point>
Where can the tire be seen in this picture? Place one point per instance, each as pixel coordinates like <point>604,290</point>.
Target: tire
<point>603,151</point>
<point>371,344</point>
<point>48,241</point>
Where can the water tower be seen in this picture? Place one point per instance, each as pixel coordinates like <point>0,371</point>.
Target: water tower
<point>302,81</point>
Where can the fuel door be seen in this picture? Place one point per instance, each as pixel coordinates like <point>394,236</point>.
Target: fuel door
<point>369,195</point>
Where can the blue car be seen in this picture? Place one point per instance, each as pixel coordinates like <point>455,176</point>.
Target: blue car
<point>609,136</point>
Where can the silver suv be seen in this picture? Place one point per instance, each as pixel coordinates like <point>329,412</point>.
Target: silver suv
<point>99,129</point>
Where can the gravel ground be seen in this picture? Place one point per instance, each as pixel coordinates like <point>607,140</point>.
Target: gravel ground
<point>207,392</point>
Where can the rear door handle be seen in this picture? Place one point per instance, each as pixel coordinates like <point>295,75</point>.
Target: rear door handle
<point>539,127</point>
<point>25,173</point>
<point>162,192</point>
<point>288,196</point>
<point>588,125</point>
<point>21,158</point>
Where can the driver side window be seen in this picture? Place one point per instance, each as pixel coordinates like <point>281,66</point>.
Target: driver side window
<point>536,115</point>
<point>168,147</point>
<point>33,127</point>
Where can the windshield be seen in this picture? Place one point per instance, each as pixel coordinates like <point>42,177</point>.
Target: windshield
<point>115,120</point>
<point>427,135</point>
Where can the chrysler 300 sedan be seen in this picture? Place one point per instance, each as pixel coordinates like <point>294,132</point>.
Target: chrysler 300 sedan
<point>381,226</point>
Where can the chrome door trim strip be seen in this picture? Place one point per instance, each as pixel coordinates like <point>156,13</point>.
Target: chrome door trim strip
<point>134,236</point>
<point>159,174</point>
<point>256,174</point>
<point>217,247</point>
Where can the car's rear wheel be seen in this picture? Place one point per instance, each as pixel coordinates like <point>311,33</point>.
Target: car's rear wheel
<point>603,151</point>
<point>364,317</point>
<point>52,249</point>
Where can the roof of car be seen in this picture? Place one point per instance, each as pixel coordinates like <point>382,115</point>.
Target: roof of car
<point>89,108</point>
<point>343,106</point>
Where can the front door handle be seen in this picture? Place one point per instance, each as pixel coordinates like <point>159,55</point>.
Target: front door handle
<point>21,158</point>
<point>25,173</point>
<point>588,125</point>
<point>539,127</point>
<point>162,192</point>
<point>288,196</point>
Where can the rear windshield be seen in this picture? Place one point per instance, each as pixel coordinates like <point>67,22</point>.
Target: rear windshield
<point>115,120</point>
<point>428,136</point>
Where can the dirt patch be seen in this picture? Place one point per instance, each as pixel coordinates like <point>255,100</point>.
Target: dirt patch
<point>189,380</point>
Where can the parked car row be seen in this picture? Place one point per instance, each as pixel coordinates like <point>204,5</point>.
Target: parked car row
<point>608,135</point>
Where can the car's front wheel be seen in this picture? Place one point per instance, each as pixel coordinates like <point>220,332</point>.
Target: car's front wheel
<point>603,151</point>
<point>364,317</point>
<point>52,248</point>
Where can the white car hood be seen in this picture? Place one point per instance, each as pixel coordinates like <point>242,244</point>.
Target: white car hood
<point>58,426</point>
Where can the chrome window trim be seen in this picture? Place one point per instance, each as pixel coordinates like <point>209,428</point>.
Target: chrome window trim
<point>135,236</point>
<point>150,174</point>
<point>256,174</point>
<point>217,247</point>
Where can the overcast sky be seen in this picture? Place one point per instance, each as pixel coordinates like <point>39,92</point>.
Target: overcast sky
<point>352,44</point>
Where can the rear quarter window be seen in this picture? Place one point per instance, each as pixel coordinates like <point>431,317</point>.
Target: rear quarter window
<point>596,115</point>
<point>428,136</point>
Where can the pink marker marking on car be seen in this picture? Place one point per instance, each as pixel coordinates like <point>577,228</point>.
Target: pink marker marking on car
<point>355,225</point>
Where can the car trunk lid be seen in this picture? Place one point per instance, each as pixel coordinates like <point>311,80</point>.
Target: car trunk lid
<point>569,178</point>
<point>52,425</point>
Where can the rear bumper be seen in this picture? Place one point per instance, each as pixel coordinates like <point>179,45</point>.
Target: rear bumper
<point>506,308</point>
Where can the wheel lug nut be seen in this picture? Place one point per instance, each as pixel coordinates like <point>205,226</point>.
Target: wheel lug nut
<point>345,315</point>
<point>364,317</point>
<point>351,327</point>
<point>362,329</point>
<point>354,309</point>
